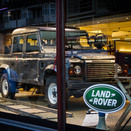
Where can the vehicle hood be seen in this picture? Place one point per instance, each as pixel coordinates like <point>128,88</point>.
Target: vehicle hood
<point>90,55</point>
<point>94,56</point>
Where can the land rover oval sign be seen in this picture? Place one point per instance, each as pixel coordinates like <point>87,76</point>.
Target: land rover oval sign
<point>104,98</point>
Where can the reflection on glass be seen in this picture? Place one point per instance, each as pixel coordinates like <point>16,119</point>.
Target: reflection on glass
<point>18,44</point>
<point>94,43</point>
<point>32,43</point>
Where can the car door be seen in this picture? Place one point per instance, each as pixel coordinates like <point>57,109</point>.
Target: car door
<point>17,58</point>
<point>31,59</point>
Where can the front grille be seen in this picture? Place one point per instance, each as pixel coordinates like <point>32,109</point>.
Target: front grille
<point>99,71</point>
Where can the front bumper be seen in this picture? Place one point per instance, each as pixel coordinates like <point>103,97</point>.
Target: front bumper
<point>79,84</point>
<point>77,87</point>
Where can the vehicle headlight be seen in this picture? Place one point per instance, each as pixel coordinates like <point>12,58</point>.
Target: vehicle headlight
<point>119,69</point>
<point>77,70</point>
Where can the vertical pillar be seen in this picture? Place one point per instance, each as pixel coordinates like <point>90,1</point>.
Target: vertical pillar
<point>60,37</point>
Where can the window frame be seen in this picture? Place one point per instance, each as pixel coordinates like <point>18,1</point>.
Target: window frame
<point>25,51</point>
<point>12,43</point>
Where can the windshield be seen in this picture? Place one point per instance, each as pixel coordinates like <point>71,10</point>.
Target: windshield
<point>73,40</point>
<point>76,40</point>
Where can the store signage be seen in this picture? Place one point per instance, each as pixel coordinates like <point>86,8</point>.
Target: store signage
<point>104,98</point>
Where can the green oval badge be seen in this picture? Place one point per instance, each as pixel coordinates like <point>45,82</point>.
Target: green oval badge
<point>104,98</point>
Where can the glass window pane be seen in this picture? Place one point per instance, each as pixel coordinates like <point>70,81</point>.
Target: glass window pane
<point>48,38</point>
<point>92,55</point>
<point>18,44</point>
<point>97,38</point>
<point>32,43</point>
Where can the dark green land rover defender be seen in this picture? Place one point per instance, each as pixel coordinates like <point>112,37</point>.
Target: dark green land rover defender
<point>32,63</point>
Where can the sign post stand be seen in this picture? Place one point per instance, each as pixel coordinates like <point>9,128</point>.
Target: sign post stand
<point>102,123</point>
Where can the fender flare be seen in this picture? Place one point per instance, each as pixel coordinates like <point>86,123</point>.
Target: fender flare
<point>5,69</point>
<point>49,70</point>
<point>12,75</point>
<point>51,67</point>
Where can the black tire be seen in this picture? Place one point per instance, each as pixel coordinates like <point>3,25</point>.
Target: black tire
<point>5,87</point>
<point>51,91</point>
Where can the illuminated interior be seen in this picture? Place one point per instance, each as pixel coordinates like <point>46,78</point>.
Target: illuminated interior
<point>116,29</point>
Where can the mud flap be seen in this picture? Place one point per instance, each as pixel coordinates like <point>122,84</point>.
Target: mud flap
<point>13,86</point>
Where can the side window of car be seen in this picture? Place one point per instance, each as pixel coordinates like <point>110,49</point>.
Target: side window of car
<point>32,43</point>
<point>18,44</point>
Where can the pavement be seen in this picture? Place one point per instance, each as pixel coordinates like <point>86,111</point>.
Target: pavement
<point>79,109</point>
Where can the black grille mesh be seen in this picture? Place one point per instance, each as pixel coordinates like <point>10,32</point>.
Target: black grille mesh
<point>99,71</point>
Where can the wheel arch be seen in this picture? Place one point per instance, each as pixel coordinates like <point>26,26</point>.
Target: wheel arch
<point>12,74</point>
<point>49,71</point>
<point>11,77</point>
<point>4,68</point>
